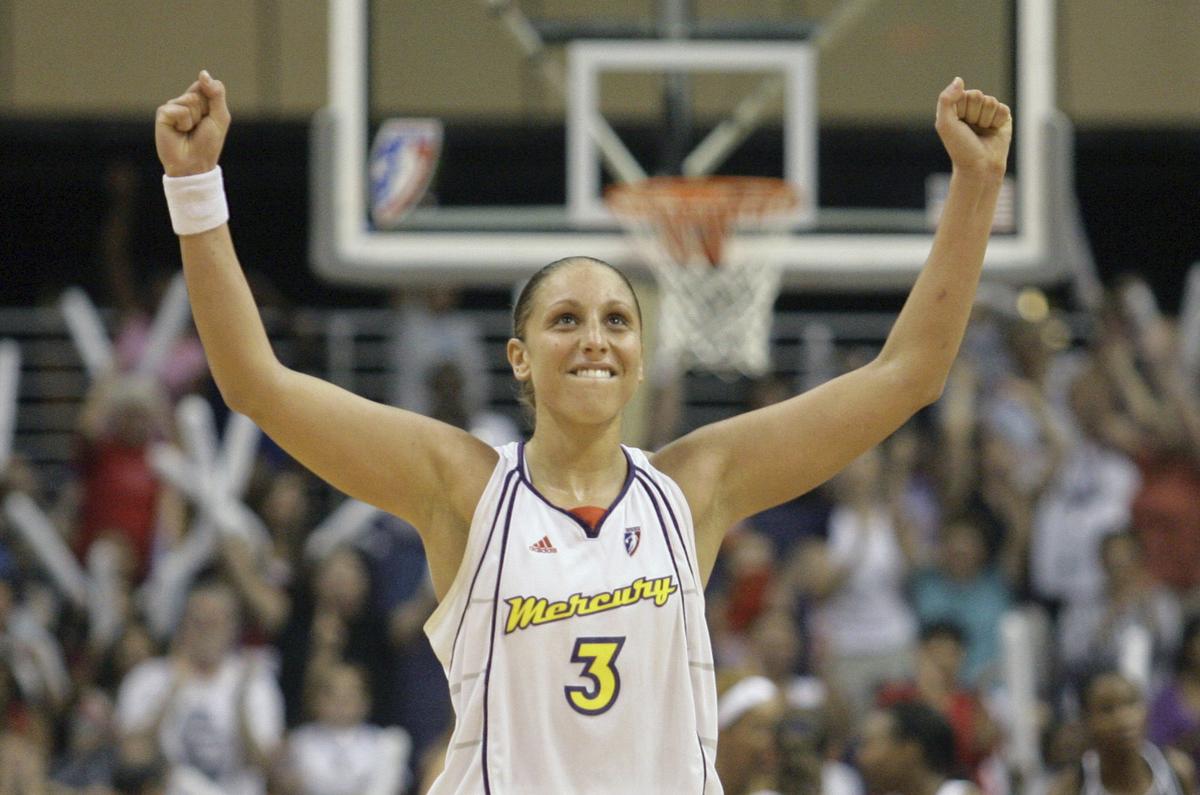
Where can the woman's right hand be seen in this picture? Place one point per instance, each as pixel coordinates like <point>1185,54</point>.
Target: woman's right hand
<point>189,130</point>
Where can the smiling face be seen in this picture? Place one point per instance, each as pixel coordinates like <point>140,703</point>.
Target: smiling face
<point>580,344</point>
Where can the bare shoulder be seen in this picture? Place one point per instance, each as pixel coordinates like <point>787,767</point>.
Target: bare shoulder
<point>1184,767</point>
<point>695,463</point>
<point>467,466</point>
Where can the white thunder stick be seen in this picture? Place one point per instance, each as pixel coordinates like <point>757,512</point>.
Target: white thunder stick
<point>818,355</point>
<point>349,520</point>
<point>1133,656</point>
<point>104,589</point>
<point>162,596</point>
<point>169,322</point>
<point>170,464</point>
<point>87,332</point>
<point>196,427</point>
<point>1189,324</point>
<point>45,542</point>
<point>1016,636</point>
<point>239,445</point>
<point>216,505</point>
<point>1140,305</point>
<point>10,379</point>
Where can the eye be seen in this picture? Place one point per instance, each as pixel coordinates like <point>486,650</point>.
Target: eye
<point>566,319</point>
<point>618,319</point>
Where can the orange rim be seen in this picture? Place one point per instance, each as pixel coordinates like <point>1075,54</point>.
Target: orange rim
<point>700,211</point>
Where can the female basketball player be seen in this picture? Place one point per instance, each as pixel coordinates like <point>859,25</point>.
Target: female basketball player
<point>1119,757</point>
<point>570,569</point>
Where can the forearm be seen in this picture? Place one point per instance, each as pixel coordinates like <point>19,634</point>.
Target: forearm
<point>268,605</point>
<point>235,342</point>
<point>926,336</point>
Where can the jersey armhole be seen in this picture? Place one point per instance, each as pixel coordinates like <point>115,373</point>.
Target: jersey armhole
<point>476,536</point>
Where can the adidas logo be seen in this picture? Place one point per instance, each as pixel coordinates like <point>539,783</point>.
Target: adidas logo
<point>542,546</point>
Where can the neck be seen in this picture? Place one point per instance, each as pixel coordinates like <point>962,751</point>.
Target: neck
<point>1124,769</point>
<point>576,466</point>
<point>932,683</point>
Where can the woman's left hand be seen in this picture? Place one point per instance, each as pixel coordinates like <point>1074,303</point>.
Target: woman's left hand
<point>975,128</point>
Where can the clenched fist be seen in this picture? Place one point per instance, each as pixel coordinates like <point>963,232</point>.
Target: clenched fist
<point>975,128</point>
<point>189,130</point>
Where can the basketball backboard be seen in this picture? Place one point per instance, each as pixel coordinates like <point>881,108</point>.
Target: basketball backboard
<point>536,197</point>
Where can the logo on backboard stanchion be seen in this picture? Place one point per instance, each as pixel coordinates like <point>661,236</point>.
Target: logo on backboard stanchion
<point>404,155</point>
<point>633,539</point>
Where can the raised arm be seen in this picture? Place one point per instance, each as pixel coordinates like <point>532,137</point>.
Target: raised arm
<point>735,468</point>
<point>422,470</point>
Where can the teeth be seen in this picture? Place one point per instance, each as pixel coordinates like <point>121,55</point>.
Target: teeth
<point>593,373</point>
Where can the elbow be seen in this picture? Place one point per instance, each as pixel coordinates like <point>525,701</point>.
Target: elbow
<point>919,386</point>
<point>931,392</point>
<point>248,396</point>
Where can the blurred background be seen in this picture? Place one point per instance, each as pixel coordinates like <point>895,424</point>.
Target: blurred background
<point>164,569</point>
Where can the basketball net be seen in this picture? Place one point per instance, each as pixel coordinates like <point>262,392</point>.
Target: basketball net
<point>711,243</point>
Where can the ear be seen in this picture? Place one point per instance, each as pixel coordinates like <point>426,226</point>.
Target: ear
<point>518,358</point>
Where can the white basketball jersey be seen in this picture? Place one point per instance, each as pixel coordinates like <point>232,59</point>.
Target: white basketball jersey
<point>578,660</point>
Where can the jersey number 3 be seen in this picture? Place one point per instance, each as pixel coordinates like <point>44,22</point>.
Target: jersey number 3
<point>598,656</point>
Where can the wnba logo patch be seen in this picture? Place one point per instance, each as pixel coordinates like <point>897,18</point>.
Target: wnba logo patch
<point>633,538</point>
<point>404,154</point>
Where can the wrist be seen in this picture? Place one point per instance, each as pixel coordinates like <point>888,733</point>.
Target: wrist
<point>984,175</point>
<point>196,201</point>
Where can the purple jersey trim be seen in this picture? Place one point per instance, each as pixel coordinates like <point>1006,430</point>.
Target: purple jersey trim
<point>487,676</point>
<point>647,481</point>
<point>508,479</point>
<point>587,531</point>
<point>671,552</point>
<point>693,565</point>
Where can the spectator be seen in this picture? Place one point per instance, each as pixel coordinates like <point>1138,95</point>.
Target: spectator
<point>1093,630</point>
<point>333,623</point>
<point>967,590</point>
<point>22,758</point>
<point>430,330</point>
<point>776,651</point>
<point>339,753</point>
<point>1089,498</point>
<point>937,684</point>
<point>993,472</point>
<point>748,712</point>
<point>121,496</point>
<point>1175,713</point>
<point>861,619</point>
<point>1161,413</point>
<point>807,761</point>
<point>446,385</point>
<point>908,749</point>
<point>1119,757</point>
<point>87,764</point>
<point>400,589</point>
<point>211,713</point>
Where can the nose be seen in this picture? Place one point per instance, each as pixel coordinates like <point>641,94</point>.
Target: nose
<point>595,336</point>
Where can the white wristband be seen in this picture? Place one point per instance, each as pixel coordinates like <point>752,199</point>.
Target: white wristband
<point>196,202</point>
